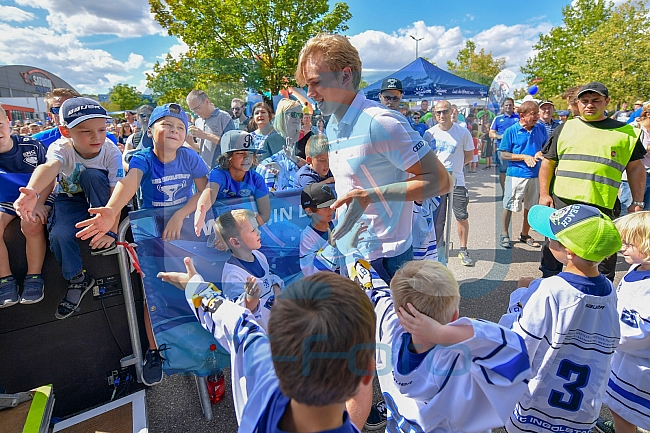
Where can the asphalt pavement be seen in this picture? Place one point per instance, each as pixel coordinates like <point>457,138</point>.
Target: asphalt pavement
<point>173,405</point>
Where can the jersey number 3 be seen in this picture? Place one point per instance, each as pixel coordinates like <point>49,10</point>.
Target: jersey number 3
<point>570,402</point>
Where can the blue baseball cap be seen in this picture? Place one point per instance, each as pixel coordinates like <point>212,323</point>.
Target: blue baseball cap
<point>583,229</point>
<point>76,110</point>
<point>167,110</point>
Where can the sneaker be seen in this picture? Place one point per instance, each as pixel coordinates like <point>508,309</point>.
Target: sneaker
<point>32,289</point>
<point>152,371</point>
<point>73,297</point>
<point>605,426</point>
<point>465,259</point>
<point>377,418</point>
<point>8,292</point>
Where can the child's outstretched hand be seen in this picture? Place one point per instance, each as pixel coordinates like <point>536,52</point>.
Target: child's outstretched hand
<point>253,292</point>
<point>173,228</point>
<point>26,203</point>
<point>422,327</point>
<point>179,279</point>
<point>97,226</point>
<point>199,218</point>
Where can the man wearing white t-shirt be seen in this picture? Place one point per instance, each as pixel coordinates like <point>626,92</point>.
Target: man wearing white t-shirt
<point>454,147</point>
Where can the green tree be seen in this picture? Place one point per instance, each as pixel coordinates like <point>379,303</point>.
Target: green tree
<point>251,44</point>
<point>563,46</point>
<point>125,97</point>
<point>618,53</point>
<point>478,67</point>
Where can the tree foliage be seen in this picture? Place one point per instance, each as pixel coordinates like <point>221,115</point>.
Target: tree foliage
<point>125,97</point>
<point>478,67</point>
<point>250,44</point>
<point>563,47</point>
<point>618,52</point>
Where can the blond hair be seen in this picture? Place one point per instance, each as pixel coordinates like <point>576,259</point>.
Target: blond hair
<point>635,229</point>
<point>338,53</point>
<point>3,113</point>
<point>317,145</point>
<point>279,122</point>
<point>228,224</point>
<point>60,92</point>
<point>429,286</point>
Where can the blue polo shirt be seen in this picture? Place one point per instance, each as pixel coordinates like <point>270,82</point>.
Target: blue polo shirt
<point>518,140</point>
<point>503,122</point>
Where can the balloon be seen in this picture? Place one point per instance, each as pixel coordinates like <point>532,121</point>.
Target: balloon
<point>475,104</point>
<point>532,90</point>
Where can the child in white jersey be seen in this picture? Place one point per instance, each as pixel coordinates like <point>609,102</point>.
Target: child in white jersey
<point>628,389</point>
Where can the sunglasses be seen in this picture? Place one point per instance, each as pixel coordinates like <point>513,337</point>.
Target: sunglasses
<point>144,116</point>
<point>294,114</point>
<point>55,110</point>
<point>391,98</point>
<point>442,112</point>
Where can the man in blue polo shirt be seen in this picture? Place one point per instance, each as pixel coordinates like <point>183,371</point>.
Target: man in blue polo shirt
<point>521,148</point>
<point>499,126</point>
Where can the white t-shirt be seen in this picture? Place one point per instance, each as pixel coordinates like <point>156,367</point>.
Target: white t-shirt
<point>72,164</point>
<point>450,147</point>
<point>373,146</point>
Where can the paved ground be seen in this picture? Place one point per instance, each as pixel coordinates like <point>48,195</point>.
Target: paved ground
<point>173,406</point>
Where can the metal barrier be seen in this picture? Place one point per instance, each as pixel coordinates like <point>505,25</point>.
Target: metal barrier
<point>449,209</point>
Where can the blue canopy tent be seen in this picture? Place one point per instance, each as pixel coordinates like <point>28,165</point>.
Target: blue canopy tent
<point>422,80</point>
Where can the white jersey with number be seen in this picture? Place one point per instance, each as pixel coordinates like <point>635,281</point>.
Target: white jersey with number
<point>628,388</point>
<point>571,337</point>
<point>424,230</point>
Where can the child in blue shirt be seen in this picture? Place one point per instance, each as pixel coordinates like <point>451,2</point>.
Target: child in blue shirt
<point>233,177</point>
<point>317,168</point>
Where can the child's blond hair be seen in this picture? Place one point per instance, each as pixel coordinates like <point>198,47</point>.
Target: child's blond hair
<point>317,145</point>
<point>3,113</point>
<point>429,286</point>
<point>228,224</point>
<point>635,230</point>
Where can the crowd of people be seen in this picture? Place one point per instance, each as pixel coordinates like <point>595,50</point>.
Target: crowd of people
<point>376,182</point>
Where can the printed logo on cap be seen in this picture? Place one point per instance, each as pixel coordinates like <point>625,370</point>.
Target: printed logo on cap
<point>391,83</point>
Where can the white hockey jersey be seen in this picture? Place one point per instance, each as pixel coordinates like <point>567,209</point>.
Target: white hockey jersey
<point>628,388</point>
<point>571,337</point>
<point>424,231</point>
<point>316,254</point>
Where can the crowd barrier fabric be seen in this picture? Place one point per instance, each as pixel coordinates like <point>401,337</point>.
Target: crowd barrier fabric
<point>173,322</point>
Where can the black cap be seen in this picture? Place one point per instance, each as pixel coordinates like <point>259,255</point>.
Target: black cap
<point>594,87</point>
<point>546,102</point>
<point>318,195</point>
<point>391,84</point>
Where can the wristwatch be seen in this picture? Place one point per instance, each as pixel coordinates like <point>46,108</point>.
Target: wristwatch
<point>638,203</point>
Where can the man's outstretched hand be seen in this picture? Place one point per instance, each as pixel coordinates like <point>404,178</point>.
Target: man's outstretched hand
<point>179,279</point>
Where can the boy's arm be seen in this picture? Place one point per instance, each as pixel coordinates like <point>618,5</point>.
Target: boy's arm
<point>40,212</point>
<point>43,176</point>
<point>173,228</point>
<point>205,201</point>
<point>263,209</point>
<point>106,218</point>
<point>427,332</point>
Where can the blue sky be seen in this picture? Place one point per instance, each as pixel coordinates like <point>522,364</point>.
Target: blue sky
<point>94,45</point>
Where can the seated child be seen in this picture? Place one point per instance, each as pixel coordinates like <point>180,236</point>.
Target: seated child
<point>439,371</point>
<point>570,324</point>
<point>277,386</point>
<point>88,166</point>
<point>280,170</point>
<point>19,156</point>
<point>317,168</point>
<point>233,177</point>
<point>246,277</point>
<point>165,171</point>
<point>628,390</point>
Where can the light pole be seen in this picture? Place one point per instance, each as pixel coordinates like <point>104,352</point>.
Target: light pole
<point>417,40</point>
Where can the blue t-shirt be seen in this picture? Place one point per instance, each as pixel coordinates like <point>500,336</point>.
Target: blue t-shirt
<point>167,184</point>
<point>49,136</point>
<point>253,184</point>
<point>503,122</point>
<point>518,140</point>
<point>254,268</point>
<point>421,128</point>
<point>17,165</point>
<point>307,175</point>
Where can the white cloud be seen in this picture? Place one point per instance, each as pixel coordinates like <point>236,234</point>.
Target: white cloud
<point>124,18</point>
<point>12,13</point>
<point>383,53</point>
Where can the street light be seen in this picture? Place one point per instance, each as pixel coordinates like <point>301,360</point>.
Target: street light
<point>417,40</point>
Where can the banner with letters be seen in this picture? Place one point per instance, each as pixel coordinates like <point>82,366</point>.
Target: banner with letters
<point>173,321</point>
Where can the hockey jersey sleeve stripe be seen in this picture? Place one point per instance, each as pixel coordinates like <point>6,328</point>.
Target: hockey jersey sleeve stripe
<point>553,417</point>
<point>616,397</point>
<point>593,349</point>
<point>526,331</point>
<point>629,384</point>
<point>449,374</point>
<point>628,395</point>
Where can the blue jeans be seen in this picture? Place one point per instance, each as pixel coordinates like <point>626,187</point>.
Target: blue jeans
<point>387,266</point>
<point>625,196</point>
<point>68,211</point>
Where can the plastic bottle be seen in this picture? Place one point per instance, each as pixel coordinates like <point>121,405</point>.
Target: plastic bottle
<point>216,383</point>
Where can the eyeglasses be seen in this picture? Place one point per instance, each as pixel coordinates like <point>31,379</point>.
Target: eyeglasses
<point>194,110</point>
<point>625,246</point>
<point>391,98</point>
<point>143,115</point>
<point>441,112</point>
<point>55,110</point>
<point>236,108</point>
<point>294,114</point>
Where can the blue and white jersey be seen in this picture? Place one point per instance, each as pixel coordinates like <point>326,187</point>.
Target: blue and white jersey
<point>316,253</point>
<point>424,230</point>
<point>18,164</point>
<point>571,336</point>
<point>503,122</point>
<point>167,184</point>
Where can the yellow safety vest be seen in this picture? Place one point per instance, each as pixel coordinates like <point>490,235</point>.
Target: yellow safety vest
<point>592,161</point>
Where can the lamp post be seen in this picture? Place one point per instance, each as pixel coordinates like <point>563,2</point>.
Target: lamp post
<point>417,40</point>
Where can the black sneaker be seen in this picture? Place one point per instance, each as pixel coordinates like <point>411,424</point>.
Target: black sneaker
<point>152,371</point>
<point>73,297</point>
<point>605,426</point>
<point>377,418</point>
